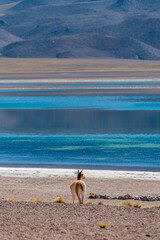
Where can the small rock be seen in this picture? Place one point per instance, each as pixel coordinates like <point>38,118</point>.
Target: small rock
<point>127,196</point>
<point>120,198</point>
<point>136,198</point>
<point>147,235</point>
<point>106,197</point>
<point>144,198</point>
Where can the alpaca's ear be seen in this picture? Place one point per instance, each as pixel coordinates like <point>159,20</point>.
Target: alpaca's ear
<point>78,171</point>
<point>81,171</point>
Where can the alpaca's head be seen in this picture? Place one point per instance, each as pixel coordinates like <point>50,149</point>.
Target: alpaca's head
<point>80,175</point>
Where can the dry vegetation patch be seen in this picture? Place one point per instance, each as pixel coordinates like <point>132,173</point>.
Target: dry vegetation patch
<point>156,206</point>
<point>89,202</point>
<point>92,195</point>
<point>103,224</point>
<point>59,200</point>
<point>35,200</point>
<point>11,200</point>
<point>101,203</point>
<point>129,204</point>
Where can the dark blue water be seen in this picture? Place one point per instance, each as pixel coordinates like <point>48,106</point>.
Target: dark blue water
<point>89,131</point>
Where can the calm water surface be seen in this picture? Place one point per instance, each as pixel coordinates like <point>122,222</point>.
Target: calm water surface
<point>80,131</point>
<point>128,103</point>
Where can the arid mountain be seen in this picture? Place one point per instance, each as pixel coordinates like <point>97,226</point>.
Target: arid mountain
<point>7,38</point>
<point>78,28</point>
<point>136,5</point>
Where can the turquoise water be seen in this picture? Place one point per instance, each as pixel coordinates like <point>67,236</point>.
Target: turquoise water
<point>81,150</point>
<point>80,131</point>
<point>127,103</point>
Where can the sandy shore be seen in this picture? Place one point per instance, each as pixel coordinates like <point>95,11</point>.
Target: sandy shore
<point>48,220</point>
<point>47,189</point>
<point>38,77</point>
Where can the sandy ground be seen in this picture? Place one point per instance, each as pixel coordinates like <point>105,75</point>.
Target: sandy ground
<point>19,68</point>
<point>49,188</point>
<point>15,73</point>
<point>47,220</point>
<point>53,65</point>
<point>67,221</point>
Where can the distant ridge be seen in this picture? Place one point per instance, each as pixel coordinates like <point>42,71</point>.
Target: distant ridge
<point>7,1</point>
<point>81,28</point>
<point>26,4</point>
<point>135,5</point>
<point>7,38</point>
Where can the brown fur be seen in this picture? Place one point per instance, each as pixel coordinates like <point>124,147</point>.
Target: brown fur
<point>78,187</point>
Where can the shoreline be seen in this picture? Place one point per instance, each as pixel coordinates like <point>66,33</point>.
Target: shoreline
<point>47,187</point>
<point>67,173</point>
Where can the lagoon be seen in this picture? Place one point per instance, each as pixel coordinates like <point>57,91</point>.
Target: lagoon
<point>93,132</point>
<point>127,103</point>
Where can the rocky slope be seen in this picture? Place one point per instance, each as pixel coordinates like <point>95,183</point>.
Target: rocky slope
<point>81,29</point>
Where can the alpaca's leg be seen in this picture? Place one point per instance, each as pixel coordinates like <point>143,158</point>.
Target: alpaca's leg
<point>83,195</point>
<point>79,198</point>
<point>73,196</point>
<point>82,198</point>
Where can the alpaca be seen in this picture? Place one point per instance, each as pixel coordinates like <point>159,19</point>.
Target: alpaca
<point>78,187</point>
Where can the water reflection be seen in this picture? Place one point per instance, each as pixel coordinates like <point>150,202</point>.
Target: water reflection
<point>81,121</point>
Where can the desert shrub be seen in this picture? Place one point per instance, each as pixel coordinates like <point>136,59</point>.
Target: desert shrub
<point>126,204</point>
<point>91,195</point>
<point>59,200</point>
<point>103,224</point>
<point>101,203</point>
<point>137,205</point>
<point>89,202</point>
<point>156,206</point>
<point>35,200</point>
<point>130,204</point>
<point>11,200</point>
